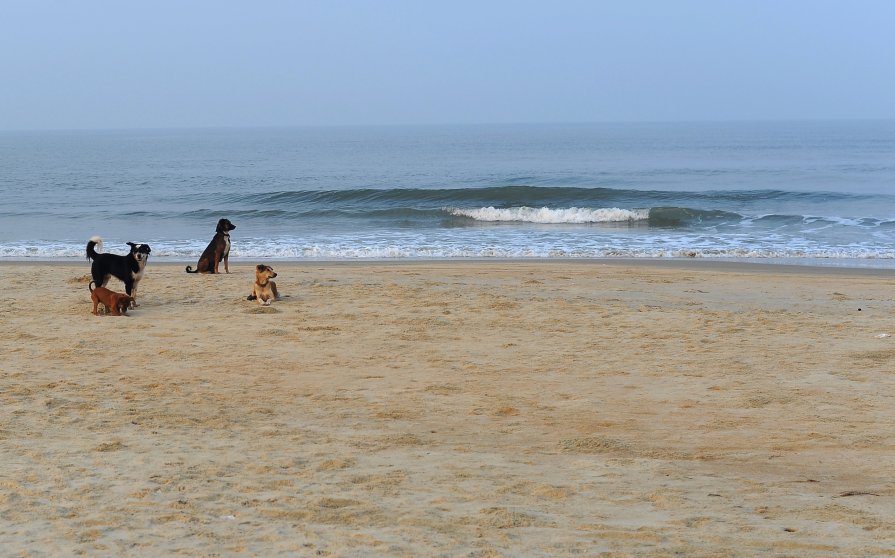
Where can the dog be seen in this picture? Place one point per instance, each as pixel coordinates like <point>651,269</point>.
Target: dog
<point>115,303</point>
<point>218,249</point>
<point>264,290</point>
<point>128,268</point>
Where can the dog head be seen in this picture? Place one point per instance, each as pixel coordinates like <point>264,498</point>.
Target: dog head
<point>140,252</point>
<point>122,302</point>
<point>225,226</point>
<point>264,272</point>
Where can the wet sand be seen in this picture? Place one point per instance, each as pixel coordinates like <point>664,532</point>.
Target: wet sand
<point>496,408</point>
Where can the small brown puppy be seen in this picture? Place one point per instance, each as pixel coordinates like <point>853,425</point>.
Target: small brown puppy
<point>115,303</point>
<point>264,290</point>
<point>218,249</point>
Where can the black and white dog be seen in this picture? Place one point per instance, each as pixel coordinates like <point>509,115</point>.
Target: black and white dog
<point>129,268</point>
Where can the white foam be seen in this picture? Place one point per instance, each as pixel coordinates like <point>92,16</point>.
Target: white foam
<point>553,216</point>
<point>488,242</point>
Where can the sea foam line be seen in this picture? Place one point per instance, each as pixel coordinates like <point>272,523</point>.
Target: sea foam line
<point>397,249</point>
<point>553,216</point>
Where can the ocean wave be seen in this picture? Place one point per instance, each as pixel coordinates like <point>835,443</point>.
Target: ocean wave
<point>447,216</point>
<point>677,216</point>
<point>545,215</point>
<point>471,246</point>
<point>516,195</point>
<point>812,221</point>
<point>449,206</point>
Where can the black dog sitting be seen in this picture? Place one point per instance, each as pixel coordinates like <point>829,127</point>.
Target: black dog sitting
<point>128,268</point>
<point>218,249</point>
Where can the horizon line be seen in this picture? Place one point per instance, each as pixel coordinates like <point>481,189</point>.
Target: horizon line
<point>442,124</point>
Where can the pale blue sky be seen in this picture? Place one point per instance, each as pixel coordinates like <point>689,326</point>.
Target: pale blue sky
<point>115,64</point>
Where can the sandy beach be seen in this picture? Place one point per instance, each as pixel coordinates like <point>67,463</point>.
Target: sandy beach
<point>494,408</point>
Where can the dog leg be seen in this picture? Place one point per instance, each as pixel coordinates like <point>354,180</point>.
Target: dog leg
<point>114,307</point>
<point>227,264</point>
<point>262,299</point>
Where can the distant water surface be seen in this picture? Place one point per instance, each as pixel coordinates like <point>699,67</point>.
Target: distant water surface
<point>783,191</point>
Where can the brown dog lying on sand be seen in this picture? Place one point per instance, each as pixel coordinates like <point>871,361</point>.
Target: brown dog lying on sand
<point>115,303</point>
<point>264,290</point>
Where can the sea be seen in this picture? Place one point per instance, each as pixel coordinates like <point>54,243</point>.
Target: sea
<point>813,192</point>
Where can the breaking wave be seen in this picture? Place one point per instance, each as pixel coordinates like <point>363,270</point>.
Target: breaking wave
<point>574,215</point>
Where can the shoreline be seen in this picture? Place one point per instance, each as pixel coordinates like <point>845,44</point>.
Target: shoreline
<point>787,266</point>
<point>451,408</point>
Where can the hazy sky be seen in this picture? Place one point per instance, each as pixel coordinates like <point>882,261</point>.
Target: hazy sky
<point>119,64</point>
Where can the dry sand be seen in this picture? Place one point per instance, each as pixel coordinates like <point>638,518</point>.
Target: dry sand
<point>451,409</point>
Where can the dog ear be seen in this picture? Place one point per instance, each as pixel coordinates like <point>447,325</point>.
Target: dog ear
<point>260,267</point>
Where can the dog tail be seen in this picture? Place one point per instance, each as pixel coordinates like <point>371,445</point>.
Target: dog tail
<point>90,285</point>
<point>189,269</point>
<point>94,241</point>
